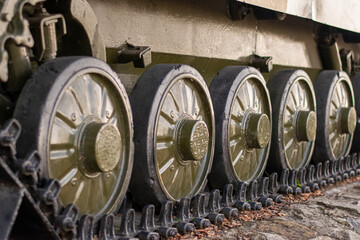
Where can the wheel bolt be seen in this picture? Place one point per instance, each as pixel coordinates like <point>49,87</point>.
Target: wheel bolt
<point>73,181</point>
<point>172,114</point>
<point>172,168</point>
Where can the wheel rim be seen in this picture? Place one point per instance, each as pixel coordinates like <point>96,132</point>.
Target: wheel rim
<point>299,124</point>
<point>342,119</point>
<point>251,99</point>
<point>89,143</point>
<point>184,121</point>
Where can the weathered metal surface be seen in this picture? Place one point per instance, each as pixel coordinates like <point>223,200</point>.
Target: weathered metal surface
<point>84,14</point>
<point>323,11</point>
<point>205,31</point>
<point>12,14</point>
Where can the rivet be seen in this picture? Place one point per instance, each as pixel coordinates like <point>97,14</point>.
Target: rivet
<point>74,181</point>
<point>73,117</point>
<point>172,168</point>
<point>172,114</point>
<point>107,114</point>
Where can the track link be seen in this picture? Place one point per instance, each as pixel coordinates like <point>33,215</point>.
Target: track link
<point>37,199</point>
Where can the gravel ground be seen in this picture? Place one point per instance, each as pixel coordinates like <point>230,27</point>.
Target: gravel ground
<point>333,213</point>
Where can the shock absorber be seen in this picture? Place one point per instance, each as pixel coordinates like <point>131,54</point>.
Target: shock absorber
<point>47,29</point>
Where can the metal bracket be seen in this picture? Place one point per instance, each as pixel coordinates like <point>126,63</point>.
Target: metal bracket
<point>147,223</point>
<point>237,10</point>
<point>302,181</point>
<point>326,173</point>
<point>355,164</point>
<point>347,60</point>
<point>264,64</point>
<point>240,197</point>
<point>48,196</point>
<point>284,182</point>
<point>341,169</point>
<point>292,181</point>
<point>127,226</point>
<point>66,222</point>
<point>263,192</point>
<point>266,14</point>
<point>227,201</point>
<point>29,167</point>
<point>349,169</point>
<point>139,55</point>
<point>165,220</point>
<point>274,188</point>
<point>252,196</point>
<point>8,137</point>
<point>198,212</point>
<point>334,171</point>
<point>310,178</point>
<point>183,216</point>
<point>86,228</point>
<point>107,231</point>
<point>319,175</point>
<point>48,34</point>
<point>214,208</point>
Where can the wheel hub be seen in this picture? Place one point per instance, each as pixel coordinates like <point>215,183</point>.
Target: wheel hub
<point>347,120</point>
<point>101,147</point>
<point>193,139</point>
<point>306,123</point>
<point>258,130</point>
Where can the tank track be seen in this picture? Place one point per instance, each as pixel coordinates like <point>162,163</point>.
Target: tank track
<point>34,202</point>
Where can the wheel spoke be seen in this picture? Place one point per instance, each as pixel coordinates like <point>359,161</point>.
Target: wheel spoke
<point>240,102</point>
<point>94,94</point>
<point>68,177</point>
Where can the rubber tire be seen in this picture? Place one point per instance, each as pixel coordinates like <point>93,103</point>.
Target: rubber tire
<point>36,103</point>
<point>356,86</point>
<point>145,100</point>
<point>279,85</point>
<point>222,90</point>
<point>323,87</point>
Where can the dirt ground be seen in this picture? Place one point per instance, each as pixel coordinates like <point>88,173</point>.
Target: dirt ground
<point>333,213</point>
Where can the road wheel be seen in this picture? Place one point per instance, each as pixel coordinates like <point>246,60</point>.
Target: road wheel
<point>75,112</point>
<point>243,125</point>
<point>294,120</point>
<point>174,134</point>
<point>336,115</point>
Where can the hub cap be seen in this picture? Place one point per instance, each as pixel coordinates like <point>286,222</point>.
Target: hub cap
<point>257,130</point>
<point>193,140</point>
<point>101,147</point>
<point>347,120</point>
<point>306,126</point>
